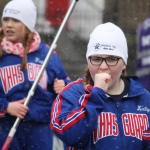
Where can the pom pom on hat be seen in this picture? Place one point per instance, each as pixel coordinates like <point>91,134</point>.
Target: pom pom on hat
<point>107,39</point>
<point>22,10</point>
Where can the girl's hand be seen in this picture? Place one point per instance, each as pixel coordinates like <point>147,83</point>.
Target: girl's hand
<point>58,85</point>
<point>17,109</point>
<point>102,80</point>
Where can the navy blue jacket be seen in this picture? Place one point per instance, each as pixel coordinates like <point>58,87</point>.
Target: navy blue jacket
<point>88,119</point>
<point>15,83</point>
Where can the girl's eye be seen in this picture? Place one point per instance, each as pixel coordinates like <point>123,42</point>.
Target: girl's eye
<point>111,59</point>
<point>5,19</point>
<point>16,20</point>
<point>96,58</point>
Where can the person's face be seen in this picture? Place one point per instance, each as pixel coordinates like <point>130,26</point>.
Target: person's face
<point>14,30</point>
<point>114,71</point>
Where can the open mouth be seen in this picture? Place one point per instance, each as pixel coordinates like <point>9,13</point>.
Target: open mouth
<point>9,32</point>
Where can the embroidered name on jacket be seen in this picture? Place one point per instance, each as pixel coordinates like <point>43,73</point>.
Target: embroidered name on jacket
<point>133,125</point>
<point>12,75</point>
<point>141,108</point>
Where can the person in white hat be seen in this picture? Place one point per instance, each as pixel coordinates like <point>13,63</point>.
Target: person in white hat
<point>105,110</point>
<point>22,54</point>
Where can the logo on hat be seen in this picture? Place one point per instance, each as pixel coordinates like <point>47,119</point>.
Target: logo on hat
<point>97,46</point>
<point>12,11</point>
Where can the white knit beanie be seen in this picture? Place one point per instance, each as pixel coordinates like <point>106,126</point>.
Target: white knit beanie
<point>108,39</point>
<point>22,10</point>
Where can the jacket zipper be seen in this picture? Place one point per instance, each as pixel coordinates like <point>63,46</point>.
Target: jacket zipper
<point>119,120</point>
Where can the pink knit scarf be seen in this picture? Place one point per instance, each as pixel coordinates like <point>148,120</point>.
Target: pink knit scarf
<point>17,48</point>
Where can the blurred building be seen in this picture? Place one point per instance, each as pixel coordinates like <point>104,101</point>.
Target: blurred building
<point>72,42</point>
<point>128,15</point>
<point>2,4</point>
<point>87,14</point>
<point>85,17</point>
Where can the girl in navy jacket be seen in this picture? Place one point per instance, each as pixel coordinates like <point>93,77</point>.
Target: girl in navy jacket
<point>105,110</point>
<point>21,57</point>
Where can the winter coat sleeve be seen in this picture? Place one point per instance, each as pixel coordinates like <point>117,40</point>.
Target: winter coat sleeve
<point>75,111</point>
<point>59,69</point>
<point>40,107</point>
<point>3,106</point>
<point>146,139</point>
